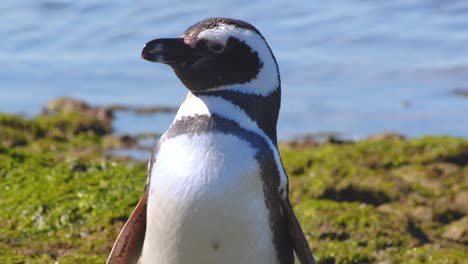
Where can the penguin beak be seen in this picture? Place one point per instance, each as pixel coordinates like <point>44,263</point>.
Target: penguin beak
<point>167,50</point>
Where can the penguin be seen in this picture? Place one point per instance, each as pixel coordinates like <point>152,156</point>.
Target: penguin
<point>217,191</point>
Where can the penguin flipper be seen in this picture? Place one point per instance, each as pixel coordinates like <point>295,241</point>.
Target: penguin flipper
<point>300,245</point>
<point>127,248</point>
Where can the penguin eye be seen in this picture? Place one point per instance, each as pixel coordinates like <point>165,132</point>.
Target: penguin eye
<point>215,47</point>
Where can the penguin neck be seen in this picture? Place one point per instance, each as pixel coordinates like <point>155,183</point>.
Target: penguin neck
<point>251,111</point>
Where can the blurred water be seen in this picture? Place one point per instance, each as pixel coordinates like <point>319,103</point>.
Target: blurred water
<point>352,67</point>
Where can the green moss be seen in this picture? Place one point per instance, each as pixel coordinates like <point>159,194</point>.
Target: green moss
<point>384,200</point>
<point>431,255</point>
<point>345,232</point>
<point>379,172</point>
<point>15,131</point>
<point>67,135</point>
<point>71,123</point>
<point>63,208</point>
<point>380,200</point>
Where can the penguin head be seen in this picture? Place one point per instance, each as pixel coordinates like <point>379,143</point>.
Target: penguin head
<point>219,54</point>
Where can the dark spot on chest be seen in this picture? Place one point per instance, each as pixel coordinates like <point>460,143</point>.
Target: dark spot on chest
<point>215,245</point>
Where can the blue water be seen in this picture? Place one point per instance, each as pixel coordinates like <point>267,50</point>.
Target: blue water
<point>350,67</point>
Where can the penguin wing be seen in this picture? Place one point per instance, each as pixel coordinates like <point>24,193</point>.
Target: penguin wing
<point>127,247</point>
<point>300,245</point>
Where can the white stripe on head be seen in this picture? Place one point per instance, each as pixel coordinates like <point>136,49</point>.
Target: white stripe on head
<point>267,80</point>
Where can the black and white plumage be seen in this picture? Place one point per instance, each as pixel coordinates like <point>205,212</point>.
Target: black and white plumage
<point>217,191</point>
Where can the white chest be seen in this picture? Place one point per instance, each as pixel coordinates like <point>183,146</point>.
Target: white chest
<point>206,203</point>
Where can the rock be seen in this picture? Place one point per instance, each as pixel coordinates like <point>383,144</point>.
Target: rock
<point>394,209</point>
<point>457,231</point>
<point>461,202</point>
<point>422,214</point>
<point>144,110</point>
<point>65,104</point>
<point>70,105</point>
<point>385,136</point>
<point>461,91</point>
<point>305,141</point>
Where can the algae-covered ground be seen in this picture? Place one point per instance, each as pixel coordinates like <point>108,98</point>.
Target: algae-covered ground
<point>63,199</point>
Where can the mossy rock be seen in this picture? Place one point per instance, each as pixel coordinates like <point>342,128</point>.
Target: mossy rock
<point>345,232</point>
<point>385,200</point>
<point>421,172</point>
<point>16,131</point>
<point>457,231</point>
<point>67,135</point>
<point>342,232</point>
<point>63,211</point>
<point>413,189</point>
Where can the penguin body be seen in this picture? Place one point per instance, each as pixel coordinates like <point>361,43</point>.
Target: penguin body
<point>205,218</point>
<point>217,191</point>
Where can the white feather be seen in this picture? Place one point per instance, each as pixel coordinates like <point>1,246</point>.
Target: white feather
<point>207,203</point>
<point>206,105</point>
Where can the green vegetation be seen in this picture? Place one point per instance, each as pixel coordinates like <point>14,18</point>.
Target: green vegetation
<point>61,198</point>
<point>387,200</point>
